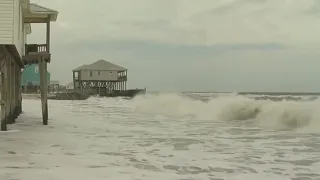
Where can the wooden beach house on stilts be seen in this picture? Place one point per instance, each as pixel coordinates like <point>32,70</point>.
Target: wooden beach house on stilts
<point>100,77</point>
<point>16,18</point>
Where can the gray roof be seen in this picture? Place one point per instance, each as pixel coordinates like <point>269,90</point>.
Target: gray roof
<point>101,65</point>
<point>37,9</point>
<point>54,82</point>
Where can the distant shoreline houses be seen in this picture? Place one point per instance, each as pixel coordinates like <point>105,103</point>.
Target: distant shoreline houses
<point>30,80</point>
<point>101,77</point>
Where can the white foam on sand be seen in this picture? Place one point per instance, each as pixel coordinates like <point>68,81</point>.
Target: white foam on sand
<point>10,131</point>
<point>102,138</point>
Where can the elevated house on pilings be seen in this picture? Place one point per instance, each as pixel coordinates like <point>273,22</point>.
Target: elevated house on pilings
<point>16,18</point>
<point>30,80</point>
<point>100,77</point>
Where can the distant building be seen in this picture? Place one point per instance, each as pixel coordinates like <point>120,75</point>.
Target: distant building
<point>69,86</point>
<point>100,76</point>
<point>30,79</point>
<point>54,86</point>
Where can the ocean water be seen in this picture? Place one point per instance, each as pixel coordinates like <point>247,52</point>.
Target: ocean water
<point>166,137</point>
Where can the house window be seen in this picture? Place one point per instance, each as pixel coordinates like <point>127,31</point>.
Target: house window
<point>99,73</point>
<point>36,69</point>
<point>90,73</point>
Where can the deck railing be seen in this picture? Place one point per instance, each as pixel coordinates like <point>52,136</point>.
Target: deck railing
<point>122,78</point>
<point>36,48</point>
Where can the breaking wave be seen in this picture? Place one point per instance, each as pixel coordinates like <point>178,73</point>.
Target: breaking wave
<point>285,114</point>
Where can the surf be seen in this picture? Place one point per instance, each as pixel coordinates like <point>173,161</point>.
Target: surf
<point>266,113</point>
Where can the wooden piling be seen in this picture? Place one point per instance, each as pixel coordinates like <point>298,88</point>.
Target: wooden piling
<point>10,83</point>
<point>13,94</point>
<point>44,90</point>
<point>20,92</point>
<point>9,93</point>
<point>7,77</point>
<point>16,92</point>
<point>4,79</point>
<point>13,66</point>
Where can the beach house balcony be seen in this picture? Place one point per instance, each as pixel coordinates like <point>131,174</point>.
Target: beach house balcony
<point>34,53</point>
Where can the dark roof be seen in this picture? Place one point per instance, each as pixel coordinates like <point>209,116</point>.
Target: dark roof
<point>101,65</point>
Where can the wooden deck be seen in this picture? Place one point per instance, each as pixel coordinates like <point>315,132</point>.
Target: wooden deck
<point>35,53</point>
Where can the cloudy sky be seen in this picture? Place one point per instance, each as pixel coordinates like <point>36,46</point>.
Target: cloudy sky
<point>191,45</point>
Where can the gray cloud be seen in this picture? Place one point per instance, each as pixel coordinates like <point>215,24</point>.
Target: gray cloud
<point>201,45</point>
<point>238,4</point>
<point>314,9</point>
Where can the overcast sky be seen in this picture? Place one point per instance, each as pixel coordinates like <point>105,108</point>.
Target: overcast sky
<point>191,45</point>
